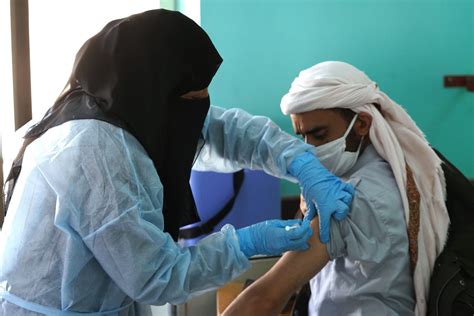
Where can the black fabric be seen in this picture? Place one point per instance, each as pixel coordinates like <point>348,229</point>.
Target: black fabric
<point>452,281</point>
<point>132,74</point>
<point>301,302</point>
<point>460,205</point>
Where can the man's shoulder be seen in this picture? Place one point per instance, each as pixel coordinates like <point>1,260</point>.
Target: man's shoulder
<point>377,207</point>
<point>376,214</point>
<point>375,181</point>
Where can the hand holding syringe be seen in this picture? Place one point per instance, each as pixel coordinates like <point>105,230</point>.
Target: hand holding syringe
<point>273,237</point>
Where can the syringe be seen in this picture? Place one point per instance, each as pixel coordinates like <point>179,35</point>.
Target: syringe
<point>288,228</point>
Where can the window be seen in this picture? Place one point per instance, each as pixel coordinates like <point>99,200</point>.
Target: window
<point>58,28</point>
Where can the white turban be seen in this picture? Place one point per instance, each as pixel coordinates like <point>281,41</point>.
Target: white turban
<point>398,140</point>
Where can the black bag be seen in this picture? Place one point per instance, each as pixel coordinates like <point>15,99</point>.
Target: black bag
<point>452,281</point>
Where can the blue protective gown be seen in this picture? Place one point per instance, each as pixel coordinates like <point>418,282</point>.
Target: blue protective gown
<point>84,230</point>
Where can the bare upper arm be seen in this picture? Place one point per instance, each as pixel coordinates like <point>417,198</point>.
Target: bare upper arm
<point>269,293</point>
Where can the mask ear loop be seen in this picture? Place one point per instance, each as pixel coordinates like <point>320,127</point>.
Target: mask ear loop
<point>350,126</point>
<point>361,140</point>
<point>348,131</point>
<point>360,145</point>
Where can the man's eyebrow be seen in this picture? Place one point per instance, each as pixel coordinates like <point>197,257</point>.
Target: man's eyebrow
<point>313,130</point>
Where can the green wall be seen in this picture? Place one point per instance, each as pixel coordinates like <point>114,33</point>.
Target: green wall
<point>405,46</point>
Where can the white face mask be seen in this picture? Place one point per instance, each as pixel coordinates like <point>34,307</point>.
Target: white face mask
<point>333,155</point>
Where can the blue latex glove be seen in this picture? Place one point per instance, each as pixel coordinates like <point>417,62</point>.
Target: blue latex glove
<point>323,192</point>
<point>273,237</point>
<point>310,212</point>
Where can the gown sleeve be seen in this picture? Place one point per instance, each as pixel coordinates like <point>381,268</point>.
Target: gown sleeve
<point>234,139</point>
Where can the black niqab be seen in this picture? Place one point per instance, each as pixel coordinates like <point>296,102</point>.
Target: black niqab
<point>132,74</point>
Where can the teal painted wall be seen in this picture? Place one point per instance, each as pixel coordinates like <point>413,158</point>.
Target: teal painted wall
<point>405,46</point>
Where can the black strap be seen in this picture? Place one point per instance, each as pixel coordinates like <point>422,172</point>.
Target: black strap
<point>208,226</point>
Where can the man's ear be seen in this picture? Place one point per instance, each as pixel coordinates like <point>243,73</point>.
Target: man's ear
<point>363,123</point>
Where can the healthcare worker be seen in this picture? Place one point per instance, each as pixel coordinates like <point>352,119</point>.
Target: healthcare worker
<point>93,215</point>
